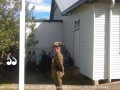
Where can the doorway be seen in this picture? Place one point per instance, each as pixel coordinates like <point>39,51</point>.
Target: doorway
<point>76,49</point>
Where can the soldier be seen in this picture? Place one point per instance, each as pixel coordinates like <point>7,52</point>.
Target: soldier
<point>57,65</point>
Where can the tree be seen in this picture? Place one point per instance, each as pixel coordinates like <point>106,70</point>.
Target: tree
<point>31,25</point>
<point>9,24</point>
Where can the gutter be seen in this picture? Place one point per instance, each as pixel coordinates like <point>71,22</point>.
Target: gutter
<point>78,3</point>
<point>110,39</point>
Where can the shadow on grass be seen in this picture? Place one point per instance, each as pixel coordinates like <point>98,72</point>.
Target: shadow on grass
<point>9,77</point>
<point>38,78</point>
<point>45,78</point>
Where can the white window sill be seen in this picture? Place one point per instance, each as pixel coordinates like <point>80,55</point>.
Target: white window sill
<point>77,29</point>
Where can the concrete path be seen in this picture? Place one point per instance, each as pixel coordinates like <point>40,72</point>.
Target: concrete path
<point>38,81</point>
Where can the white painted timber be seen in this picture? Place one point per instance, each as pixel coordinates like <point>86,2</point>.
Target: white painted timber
<point>115,72</point>
<point>101,32</point>
<point>76,48</point>
<point>86,14</point>
<point>57,14</point>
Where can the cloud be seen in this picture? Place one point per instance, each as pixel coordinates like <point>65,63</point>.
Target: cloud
<point>35,1</point>
<point>44,17</point>
<point>40,5</point>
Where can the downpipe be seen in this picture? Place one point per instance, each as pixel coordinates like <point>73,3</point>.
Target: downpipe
<point>110,42</point>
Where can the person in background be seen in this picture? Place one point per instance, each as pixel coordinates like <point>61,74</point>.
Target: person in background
<point>69,60</point>
<point>40,60</point>
<point>8,67</point>
<point>44,62</point>
<point>28,65</point>
<point>65,57</point>
<point>33,61</point>
<point>52,54</point>
<point>49,60</point>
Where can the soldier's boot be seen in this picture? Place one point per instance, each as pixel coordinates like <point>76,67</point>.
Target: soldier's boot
<point>59,88</point>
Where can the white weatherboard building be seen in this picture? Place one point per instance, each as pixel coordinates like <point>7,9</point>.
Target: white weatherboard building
<point>47,33</point>
<point>90,30</point>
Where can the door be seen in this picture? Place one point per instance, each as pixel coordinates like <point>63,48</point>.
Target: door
<point>76,49</point>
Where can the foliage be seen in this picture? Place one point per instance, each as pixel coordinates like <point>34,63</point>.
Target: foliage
<point>9,24</point>
<point>30,25</point>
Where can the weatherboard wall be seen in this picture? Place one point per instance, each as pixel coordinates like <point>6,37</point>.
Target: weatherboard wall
<point>57,14</point>
<point>101,32</point>
<point>47,33</point>
<point>86,15</point>
<point>101,41</point>
<point>115,36</point>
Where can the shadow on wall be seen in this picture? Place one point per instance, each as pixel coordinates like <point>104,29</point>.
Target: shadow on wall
<point>101,26</point>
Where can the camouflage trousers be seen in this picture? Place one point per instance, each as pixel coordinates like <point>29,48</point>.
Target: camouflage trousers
<point>58,83</point>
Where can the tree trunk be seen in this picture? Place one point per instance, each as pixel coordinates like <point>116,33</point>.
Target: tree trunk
<point>1,63</point>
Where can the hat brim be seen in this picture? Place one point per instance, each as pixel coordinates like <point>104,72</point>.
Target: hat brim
<point>57,45</point>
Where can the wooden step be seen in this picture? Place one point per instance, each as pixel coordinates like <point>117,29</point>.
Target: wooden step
<point>71,72</point>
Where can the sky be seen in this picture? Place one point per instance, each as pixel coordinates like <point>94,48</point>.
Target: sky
<point>42,8</point>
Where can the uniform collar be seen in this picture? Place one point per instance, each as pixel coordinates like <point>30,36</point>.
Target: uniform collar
<point>57,53</point>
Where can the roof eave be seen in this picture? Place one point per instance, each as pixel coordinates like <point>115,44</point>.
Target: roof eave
<point>52,7</point>
<point>80,2</point>
<point>49,21</point>
<point>73,6</point>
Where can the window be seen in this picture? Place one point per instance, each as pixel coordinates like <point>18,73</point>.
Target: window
<point>77,24</point>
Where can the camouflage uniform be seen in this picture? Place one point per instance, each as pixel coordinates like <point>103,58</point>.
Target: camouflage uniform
<point>57,69</point>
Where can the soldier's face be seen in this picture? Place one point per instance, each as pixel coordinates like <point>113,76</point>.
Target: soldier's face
<point>56,49</point>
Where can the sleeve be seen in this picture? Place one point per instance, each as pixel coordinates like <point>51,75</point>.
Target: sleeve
<point>60,63</point>
<point>34,57</point>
